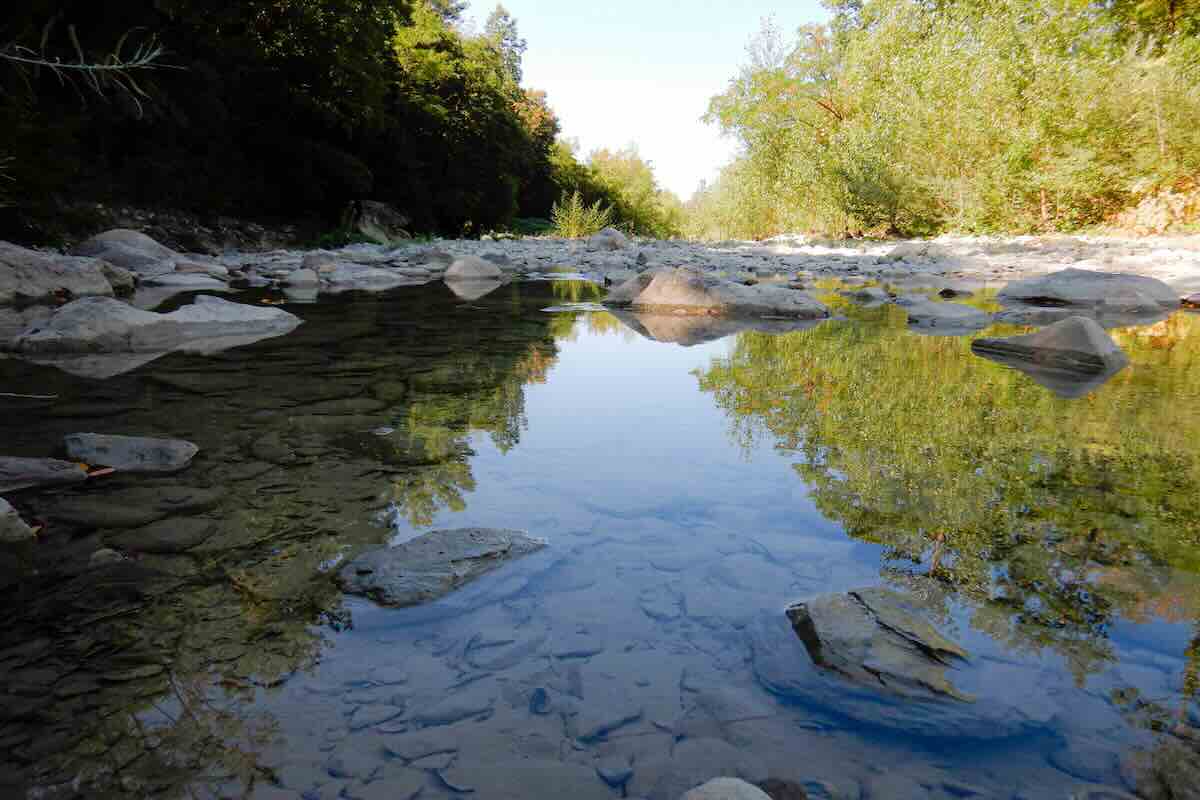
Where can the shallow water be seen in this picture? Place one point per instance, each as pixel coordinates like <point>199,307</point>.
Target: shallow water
<point>688,495</point>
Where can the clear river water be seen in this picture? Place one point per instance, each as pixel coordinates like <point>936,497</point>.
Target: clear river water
<point>690,489</point>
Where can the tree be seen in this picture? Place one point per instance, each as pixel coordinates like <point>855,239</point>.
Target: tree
<point>501,29</point>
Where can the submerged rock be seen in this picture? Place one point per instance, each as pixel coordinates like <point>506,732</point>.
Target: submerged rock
<point>693,762</point>
<point>875,638</point>
<point>1071,357</point>
<point>943,316</point>
<point>27,276</point>
<point>131,453</point>
<point>27,473</point>
<point>12,528</point>
<point>682,291</point>
<point>433,565</point>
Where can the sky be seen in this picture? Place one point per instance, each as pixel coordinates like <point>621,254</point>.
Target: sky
<point>622,71</point>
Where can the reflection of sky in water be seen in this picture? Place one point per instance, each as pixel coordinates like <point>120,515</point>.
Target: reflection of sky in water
<point>650,632</point>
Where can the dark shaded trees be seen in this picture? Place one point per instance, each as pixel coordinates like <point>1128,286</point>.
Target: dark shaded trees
<point>278,109</point>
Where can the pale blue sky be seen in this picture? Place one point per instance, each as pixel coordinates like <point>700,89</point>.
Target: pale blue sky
<point>620,71</point>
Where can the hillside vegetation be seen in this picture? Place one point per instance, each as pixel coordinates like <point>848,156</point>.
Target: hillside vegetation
<point>916,117</point>
<point>289,110</point>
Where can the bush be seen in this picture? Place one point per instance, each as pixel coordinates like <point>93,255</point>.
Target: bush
<point>574,219</point>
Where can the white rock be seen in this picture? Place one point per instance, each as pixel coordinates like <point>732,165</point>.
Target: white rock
<point>726,789</point>
<point>12,527</point>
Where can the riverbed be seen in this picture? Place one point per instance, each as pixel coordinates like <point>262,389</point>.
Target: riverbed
<point>690,486</point>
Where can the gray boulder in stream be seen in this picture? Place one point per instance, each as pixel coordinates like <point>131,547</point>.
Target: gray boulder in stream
<point>1094,293</point>
<point>874,637</point>
<point>873,656</point>
<point>682,291</point>
<point>131,453</point>
<point>100,324</point>
<point>1076,344</point>
<point>433,565</point>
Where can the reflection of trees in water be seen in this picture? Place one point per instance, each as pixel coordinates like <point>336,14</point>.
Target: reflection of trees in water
<point>1048,517</point>
<point>141,677</point>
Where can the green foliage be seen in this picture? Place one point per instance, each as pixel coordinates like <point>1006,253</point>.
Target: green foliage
<point>639,204</point>
<point>269,109</point>
<point>340,237</point>
<point>573,219</point>
<point>1021,115</point>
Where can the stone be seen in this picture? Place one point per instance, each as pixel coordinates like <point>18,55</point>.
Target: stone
<point>726,789</point>
<point>780,789</point>
<point>452,709</point>
<point>1101,291</point>
<point>29,473</point>
<point>693,762</point>
<point>129,508</point>
<point>131,453</point>
<point>526,779</point>
<point>943,316</point>
<point>302,278</point>
<point>1076,344</point>
<point>874,637</point>
<point>362,278</point>
<point>105,325</point>
<point>123,281</point>
<point>473,268</point>
<point>608,239</point>
<point>104,557</point>
<point>165,537</point>
<point>187,282</point>
<point>683,291</point>
<point>27,276</point>
<point>916,251</point>
<point>868,295</point>
<point>12,528</point>
<point>379,222</point>
<point>433,565</point>
<point>130,250</point>
<point>615,772</point>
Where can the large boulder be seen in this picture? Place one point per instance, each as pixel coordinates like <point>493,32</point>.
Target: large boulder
<point>608,239</point>
<point>131,453</point>
<point>1099,292</point>
<point>875,638</point>
<point>473,268</point>
<point>130,250</point>
<point>104,325</point>
<point>681,291</point>
<point>433,565</point>
<point>1076,344</point>
<point>379,222</point>
<point>28,473</point>
<point>942,317</point>
<point>1071,358</point>
<point>27,276</point>
<point>873,657</point>
<point>12,528</point>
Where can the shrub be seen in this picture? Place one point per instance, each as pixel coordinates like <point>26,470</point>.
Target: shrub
<point>574,219</point>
